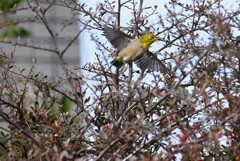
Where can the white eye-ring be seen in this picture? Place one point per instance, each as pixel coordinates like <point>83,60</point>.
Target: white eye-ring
<point>150,37</point>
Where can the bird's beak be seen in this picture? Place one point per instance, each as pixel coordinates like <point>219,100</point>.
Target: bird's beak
<point>158,38</point>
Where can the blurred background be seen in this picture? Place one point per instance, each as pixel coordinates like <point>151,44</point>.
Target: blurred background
<point>36,42</point>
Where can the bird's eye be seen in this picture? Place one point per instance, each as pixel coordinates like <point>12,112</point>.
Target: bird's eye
<point>150,37</point>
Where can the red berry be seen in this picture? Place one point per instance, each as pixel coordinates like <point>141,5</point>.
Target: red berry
<point>165,124</point>
<point>171,118</point>
<point>238,157</point>
<point>233,137</point>
<point>199,159</point>
<point>106,126</point>
<point>182,137</point>
<point>10,149</point>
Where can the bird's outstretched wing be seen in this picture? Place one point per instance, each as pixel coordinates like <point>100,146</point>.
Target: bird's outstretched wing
<point>118,39</point>
<point>150,61</point>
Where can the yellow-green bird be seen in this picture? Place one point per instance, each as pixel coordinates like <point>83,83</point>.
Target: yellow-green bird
<point>134,50</point>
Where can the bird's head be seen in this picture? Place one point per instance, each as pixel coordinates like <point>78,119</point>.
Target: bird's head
<point>147,39</point>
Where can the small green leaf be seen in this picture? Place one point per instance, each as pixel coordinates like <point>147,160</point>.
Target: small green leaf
<point>75,120</point>
<point>87,100</point>
<point>15,31</point>
<point>52,113</point>
<point>66,104</point>
<point>2,62</point>
<point>7,5</point>
<point>52,110</point>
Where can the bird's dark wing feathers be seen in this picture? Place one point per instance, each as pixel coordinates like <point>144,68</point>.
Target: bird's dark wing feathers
<point>150,61</point>
<point>118,39</point>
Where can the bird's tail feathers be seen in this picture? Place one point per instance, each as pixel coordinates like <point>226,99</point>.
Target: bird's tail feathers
<point>117,63</point>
